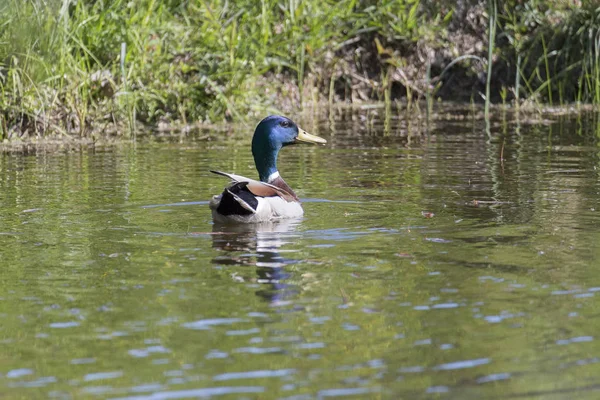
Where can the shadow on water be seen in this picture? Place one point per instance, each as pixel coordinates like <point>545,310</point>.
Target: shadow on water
<point>259,245</point>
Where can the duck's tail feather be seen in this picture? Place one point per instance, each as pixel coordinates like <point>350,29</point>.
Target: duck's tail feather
<point>220,173</point>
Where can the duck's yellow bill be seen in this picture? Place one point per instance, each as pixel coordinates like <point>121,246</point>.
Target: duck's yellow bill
<point>305,137</point>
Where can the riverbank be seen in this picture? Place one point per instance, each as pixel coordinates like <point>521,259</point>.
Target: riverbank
<point>79,69</point>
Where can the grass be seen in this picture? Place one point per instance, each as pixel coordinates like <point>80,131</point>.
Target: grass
<point>184,61</point>
<point>560,58</point>
<point>77,68</point>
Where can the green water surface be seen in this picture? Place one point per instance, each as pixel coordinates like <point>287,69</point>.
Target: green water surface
<point>451,264</point>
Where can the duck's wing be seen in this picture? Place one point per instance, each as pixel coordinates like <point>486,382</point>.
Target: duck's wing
<point>236,200</point>
<point>258,188</point>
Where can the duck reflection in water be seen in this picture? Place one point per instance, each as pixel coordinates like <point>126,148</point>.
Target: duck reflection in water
<point>259,245</point>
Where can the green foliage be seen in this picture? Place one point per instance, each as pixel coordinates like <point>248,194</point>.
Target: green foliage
<point>558,43</point>
<point>185,60</point>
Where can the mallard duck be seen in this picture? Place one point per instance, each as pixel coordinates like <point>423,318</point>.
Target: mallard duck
<point>247,200</point>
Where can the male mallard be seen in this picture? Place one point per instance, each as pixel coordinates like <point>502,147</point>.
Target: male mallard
<point>247,200</point>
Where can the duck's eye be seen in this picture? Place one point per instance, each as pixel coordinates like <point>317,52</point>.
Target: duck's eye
<point>285,124</point>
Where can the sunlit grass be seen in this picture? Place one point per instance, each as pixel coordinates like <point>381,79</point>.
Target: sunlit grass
<point>77,67</point>
<point>185,61</point>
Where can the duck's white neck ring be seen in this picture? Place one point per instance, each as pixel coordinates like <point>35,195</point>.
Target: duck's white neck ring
<point>273,176</point>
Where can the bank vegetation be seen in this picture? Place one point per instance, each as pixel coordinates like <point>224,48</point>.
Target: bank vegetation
<point>82,67</point>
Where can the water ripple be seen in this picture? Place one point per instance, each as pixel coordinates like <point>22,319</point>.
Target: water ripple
<point>258,350</point>
<point>462,364</point>
<point>494,377</point>
<point>203,392</point>
<point>205,324</point>
<point>70,324</point>
<point>140,353</point>
<point>578,339</point>
<point>254,374</point>
<point>17,373</point>
<point>342,392</point>
<point>102,375</point>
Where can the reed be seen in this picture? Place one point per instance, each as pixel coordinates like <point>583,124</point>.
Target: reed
<point>548,82</point>
<point>492,15</point>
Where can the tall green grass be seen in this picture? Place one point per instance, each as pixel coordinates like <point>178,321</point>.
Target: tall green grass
<point>74,67</point>
<point>556,47</point>
<point>186,61</point>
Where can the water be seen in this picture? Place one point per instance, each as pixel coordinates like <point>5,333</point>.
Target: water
<point>448,265</point>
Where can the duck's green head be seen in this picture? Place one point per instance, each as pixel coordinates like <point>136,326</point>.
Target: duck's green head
<point>271,134</point>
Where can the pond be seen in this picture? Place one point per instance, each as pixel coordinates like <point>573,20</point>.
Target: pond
<point>430,263</point>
